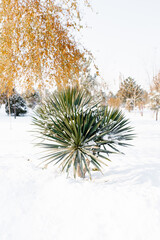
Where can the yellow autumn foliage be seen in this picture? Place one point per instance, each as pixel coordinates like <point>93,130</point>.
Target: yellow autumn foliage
<point>114,102</point>
<point>37,46</point>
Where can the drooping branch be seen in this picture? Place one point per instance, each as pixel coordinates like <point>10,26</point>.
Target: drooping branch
<point>37,46</point>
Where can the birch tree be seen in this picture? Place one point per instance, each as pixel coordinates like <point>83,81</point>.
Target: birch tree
<point>37,44</point>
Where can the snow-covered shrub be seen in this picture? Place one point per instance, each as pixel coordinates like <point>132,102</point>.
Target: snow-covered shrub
<point>78,134</point>
<point>16,105</point>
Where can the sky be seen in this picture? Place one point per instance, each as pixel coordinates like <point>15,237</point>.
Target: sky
<point>124,37</point>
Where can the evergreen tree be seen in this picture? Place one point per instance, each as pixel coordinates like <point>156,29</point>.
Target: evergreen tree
<point>16,105</point>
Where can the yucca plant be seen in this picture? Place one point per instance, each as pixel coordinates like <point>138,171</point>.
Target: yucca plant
<point>78,134</point>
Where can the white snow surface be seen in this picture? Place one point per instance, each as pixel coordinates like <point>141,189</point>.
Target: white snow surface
<point>37,204</point>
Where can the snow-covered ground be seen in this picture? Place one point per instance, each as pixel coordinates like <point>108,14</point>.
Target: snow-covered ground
<point>37,204</point>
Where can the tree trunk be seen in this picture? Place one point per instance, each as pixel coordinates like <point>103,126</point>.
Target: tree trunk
<point>157,114</point>
<point>141,110</point>
<point>9,108</point>
<point>15,110</point>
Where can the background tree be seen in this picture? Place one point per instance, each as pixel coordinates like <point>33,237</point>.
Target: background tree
<point>130,92</point>
<point>16,105</point>
<point>155,95</point>
<point>32,98</point>
<point>141,102</point>
<point>113,100</point>
<point>37,45</point>
<point>91,81</point>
